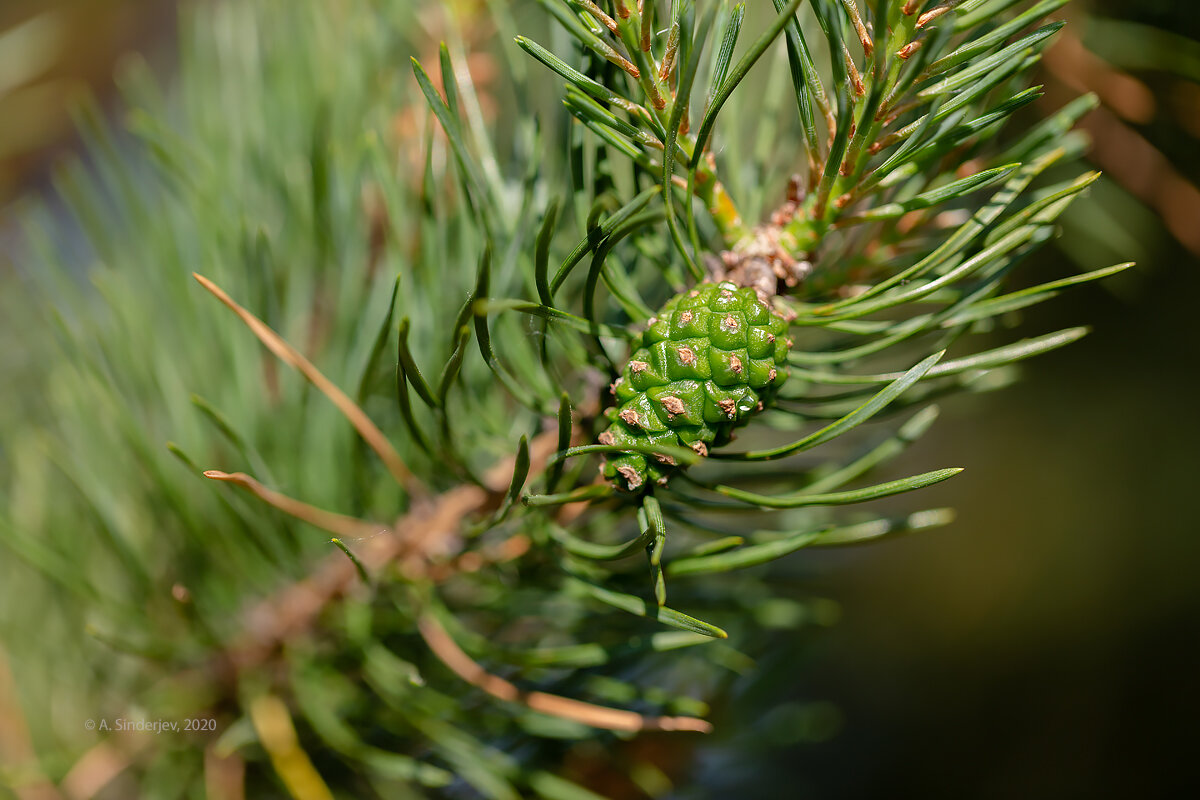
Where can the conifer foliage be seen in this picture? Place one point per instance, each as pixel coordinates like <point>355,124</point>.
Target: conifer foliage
<point>427,484</point>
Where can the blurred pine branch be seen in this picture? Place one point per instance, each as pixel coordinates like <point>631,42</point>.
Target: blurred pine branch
<point>461,265</point>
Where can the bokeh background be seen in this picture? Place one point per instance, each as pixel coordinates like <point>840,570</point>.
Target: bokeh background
<point>1045,645</point>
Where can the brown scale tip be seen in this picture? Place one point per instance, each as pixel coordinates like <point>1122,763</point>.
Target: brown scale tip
<point>606,438</point>
<point>612,387</point>
<point>638,367</point>
<point>630,418</point>
<point>771,374</point>
<point>728,406</point>
<point>673,405</point>
<point>685,316</point>
<point>730,323</point>
<point>666,460</point>
<point>699,447</point>
<point>735,364</point>
<point>687,356</point>
<point>632,479</point>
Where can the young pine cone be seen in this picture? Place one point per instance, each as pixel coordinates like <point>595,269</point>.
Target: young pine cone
<point>710,359</point>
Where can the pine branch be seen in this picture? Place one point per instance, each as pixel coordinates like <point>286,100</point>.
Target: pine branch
<point>384,225</point>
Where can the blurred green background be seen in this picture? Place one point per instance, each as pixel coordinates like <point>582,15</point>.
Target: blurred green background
<point>1045,645</point>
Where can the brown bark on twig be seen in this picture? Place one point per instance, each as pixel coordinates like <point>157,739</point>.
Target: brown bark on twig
<point>1120,151</point>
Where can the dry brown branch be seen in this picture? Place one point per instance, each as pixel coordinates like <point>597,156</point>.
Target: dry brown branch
<point>418,537</point>
<point>427,532</point>
<point>292,357</point>
<point>450,654</point>
<point>1070,62</point>
<point>1119,150</point>
<point>1146,173</point>
<point>474,560</point>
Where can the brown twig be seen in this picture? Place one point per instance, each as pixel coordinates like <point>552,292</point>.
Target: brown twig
<point>450,654</point>
<point>1120,151</point>
<point>1146,173</point>
<point>423,535</point>
<point>1070,62</point>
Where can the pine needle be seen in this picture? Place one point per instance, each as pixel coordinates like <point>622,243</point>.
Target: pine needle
<point>292,357</point>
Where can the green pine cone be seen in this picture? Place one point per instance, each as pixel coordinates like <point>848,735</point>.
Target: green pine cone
<point>713,357</point>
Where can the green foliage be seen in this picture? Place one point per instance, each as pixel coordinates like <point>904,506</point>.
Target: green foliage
<point>380,224</point>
